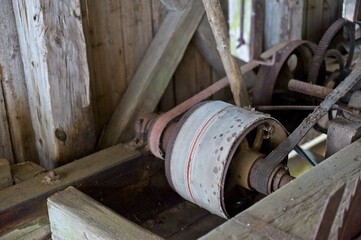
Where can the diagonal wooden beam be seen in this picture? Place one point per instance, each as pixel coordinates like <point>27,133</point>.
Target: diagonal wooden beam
<point>154,73</point>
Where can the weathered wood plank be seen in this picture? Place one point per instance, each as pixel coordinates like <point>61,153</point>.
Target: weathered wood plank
<point>37,229</point>
<point>24,171</point>
<point>296,208</point>
<point>106,58</point>
<point>137,33</point>
<point>283,21</point>
<point>314,29</point>
<point>6,179</point>
<point>31,201</point>
<point>204,40</point>
<point>185,78</point>
<point>5,140</point>
<point>155,71</point>
<point>57,78</point>
<point>14,89</point>
<point>74,215</point>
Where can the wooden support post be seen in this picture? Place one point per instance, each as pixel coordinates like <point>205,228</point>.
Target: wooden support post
<point>57,78</point>
<point>219,28</point>
<point>6,179</point>
<point>154,73</point>
<point>14,90</point>
<point>73,214</point>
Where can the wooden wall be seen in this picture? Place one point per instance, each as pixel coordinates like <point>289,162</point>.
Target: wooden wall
<point>47,113</point>
<point>118,33</point>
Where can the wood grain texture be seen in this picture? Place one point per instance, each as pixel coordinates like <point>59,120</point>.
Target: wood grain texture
<point>74,215</point>
<point>103,30</point>
<point>219,28</point>
<point>314,29</point>
<point>15,207</point>
<point>37,229</point>
<point>154,73</point>
<point>283,21</point>
<point>296,208</point>
<point>14,90</point>
<point>137,33</point>
<point>6,179</point>
<point>57,78</point>
<point>5,140</point>
<point>24,171</point>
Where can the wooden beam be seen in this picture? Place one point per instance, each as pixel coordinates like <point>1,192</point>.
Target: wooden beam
<point>73,214</point>
<point>24,171</point>
<point>32,201</point>
<point>219,28</point>
<point>154,73</point>
<point>294,211</point>
<point>57,78</point>
<point>39,228</point>
<point>14,90</point>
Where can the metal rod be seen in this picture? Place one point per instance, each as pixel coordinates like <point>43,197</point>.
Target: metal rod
<point>308,88</point>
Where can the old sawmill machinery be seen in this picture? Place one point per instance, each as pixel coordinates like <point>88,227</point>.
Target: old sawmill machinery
<point>219,156</point>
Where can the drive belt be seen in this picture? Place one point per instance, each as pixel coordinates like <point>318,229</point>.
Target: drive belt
<point>263,170</point>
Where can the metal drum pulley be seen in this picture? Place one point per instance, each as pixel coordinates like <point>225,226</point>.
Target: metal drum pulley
<point>211,152</point>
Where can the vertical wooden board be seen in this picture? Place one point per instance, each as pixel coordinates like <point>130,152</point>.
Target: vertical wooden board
<point>185,76</point>
<point>203,71</point>
<point>314,28</point>
<point>331,12</point>
<point>224,94</point>
<point>14,89</point>
<point>283,21</point>
<point>56,70</point>
<point>136,18</point>
<point>5,140</point>
<point>159,12</point>
<point>106,55</point>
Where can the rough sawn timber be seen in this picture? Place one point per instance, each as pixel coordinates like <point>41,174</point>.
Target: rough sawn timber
<point>57,78</point>
<point>14,92</point>
<point>16,208</point>
<point>155,71</point>
<point>73,214</point>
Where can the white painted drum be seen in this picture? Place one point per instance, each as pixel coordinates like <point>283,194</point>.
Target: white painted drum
<point>203,146</point>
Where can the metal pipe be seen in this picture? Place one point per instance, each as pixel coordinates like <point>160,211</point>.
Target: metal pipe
<point>308,88</point>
